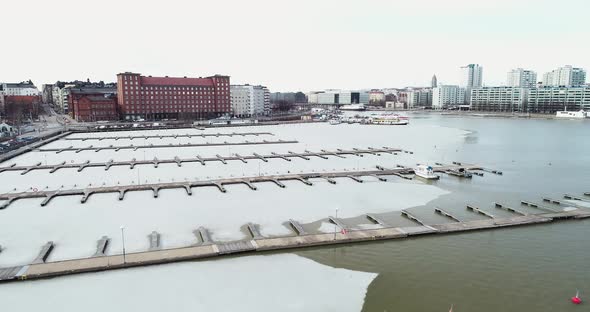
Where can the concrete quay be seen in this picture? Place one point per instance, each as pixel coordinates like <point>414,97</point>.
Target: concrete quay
<point>38,270</point>
<point>203,160</point>
<point>85,193</point>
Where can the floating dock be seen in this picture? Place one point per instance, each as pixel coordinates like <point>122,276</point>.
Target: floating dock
<point>42,269</point>
<point>163,136</point>
<point>476,209</point>
<point>574,197</point>
<point>85,193</point>
<point>198,159</point>
<point>136,147</point>
<point>446,214</point>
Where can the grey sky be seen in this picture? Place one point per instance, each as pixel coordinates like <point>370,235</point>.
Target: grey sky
<point>291,45</point>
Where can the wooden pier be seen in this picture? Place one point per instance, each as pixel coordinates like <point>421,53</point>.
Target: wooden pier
<point>510,209</point>
<point>154,239</point>
<point>121,190</point>
<point>40,268</point>
<point>44,253</point>
<point>377,220</point>
<point>198,159</point>
<point>533,205</point>
<point>476,209</point>
<point>173,136</point>
<point>101,247</point>
<point>297,227</point>
<point>574,197</point>
<point>446,214</point>
<point>136,147</point>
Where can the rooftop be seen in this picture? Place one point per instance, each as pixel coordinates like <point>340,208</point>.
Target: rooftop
<point>93,90</point>
<point>176,81</point>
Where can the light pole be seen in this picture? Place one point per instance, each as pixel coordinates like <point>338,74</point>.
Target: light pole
<point>123,238</point>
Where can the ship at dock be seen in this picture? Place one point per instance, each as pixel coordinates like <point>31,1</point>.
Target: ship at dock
<point>581,114</point>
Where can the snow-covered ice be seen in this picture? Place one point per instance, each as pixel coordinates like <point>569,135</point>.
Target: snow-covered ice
<point>284,282</point>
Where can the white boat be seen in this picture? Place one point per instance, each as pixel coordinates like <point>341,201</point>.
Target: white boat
<point>571,115</point>
<point>334,121</point>
<point>425,172</point>
<point>353,107</point>
<point>390,120</point>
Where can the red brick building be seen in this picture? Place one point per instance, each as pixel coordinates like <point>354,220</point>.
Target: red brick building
<point>21,107</point>
<point>93,104</point>
<point>153,98</point>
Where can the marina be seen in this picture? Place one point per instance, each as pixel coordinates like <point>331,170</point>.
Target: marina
<point>100,261</point>
<point>235,224</point>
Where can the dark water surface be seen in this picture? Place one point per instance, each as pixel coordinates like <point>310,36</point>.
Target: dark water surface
<point>531,268</point>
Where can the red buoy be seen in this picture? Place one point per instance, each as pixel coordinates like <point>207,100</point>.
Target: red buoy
<point>576,299</point>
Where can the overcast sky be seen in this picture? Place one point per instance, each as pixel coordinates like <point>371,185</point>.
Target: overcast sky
<point>291,45</point>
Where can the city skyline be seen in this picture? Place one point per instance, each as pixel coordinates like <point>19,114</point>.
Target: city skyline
<point>294,50</point>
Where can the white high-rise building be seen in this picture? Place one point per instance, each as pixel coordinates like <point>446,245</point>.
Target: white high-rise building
<point>472,76</point>
<point>249,101</point>
<point>522,78</point>
<point>566,76</point>
<point>445,96</point>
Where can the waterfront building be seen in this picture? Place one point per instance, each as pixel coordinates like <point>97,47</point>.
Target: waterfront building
<point>1,105</point>
<point>47,93</point>
<point>89,104</point>
<point>288,97</point>
<point>61,98</point>
<point>523,78</point>
<point>61,92</point>
<point>566,76</point>
<point>551,99</point>
<point>434,82</point>
<point>25,88</point>
<point>21,107</point>
<point>338,97</point>
<point>376,97</point>
<point>502,99</point>
<point>249,101</point>
<point>446,96</point>
<point>472,76</point>
<point>146,97</point>
<point>419,98</point>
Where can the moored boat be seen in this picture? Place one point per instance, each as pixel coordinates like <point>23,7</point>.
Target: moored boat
<point>390,120</point>
<point>425,172</point>
<point>581,114</point>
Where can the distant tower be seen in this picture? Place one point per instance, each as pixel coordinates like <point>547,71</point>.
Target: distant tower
<point>472,76</point>
<point>434,82</point>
